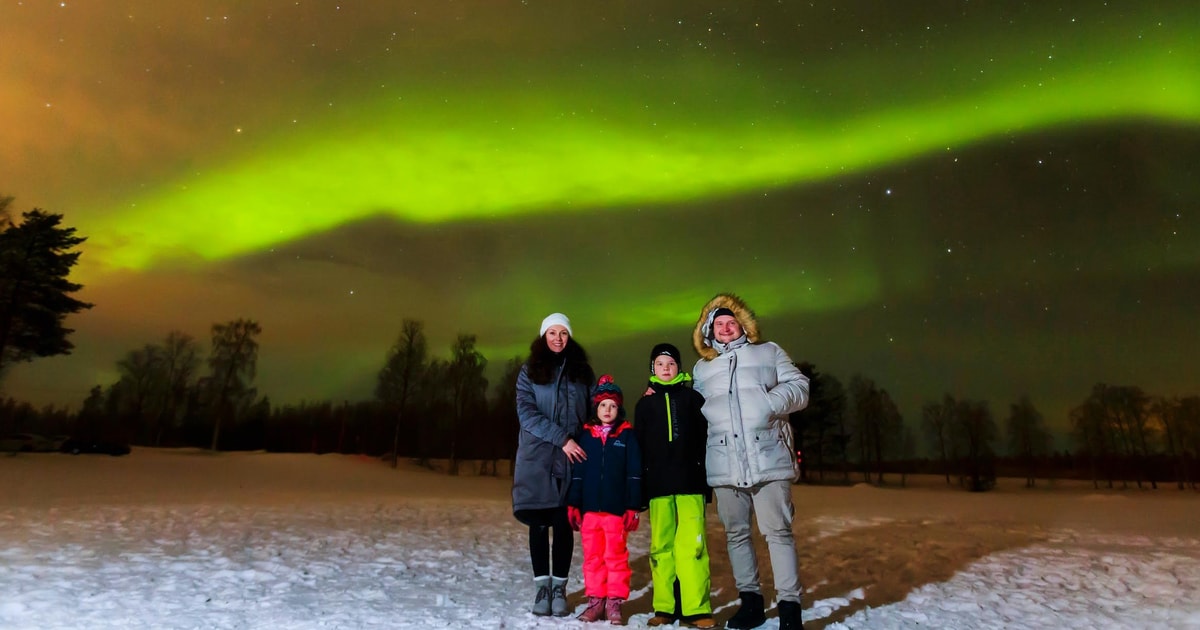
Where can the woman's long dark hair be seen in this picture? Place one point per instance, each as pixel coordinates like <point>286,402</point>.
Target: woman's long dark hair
<point>543,363</point>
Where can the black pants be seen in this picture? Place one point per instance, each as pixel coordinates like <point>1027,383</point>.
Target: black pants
<point>540,523</point>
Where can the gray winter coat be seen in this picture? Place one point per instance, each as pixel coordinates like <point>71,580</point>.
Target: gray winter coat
<point>748,393</point>
<point>549,414</point>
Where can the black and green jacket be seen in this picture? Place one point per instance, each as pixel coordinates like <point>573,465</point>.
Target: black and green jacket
<point>672,432</point>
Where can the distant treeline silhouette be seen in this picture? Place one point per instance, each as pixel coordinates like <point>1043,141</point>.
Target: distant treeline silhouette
<point>1121,436</point>
<point>432,408</point>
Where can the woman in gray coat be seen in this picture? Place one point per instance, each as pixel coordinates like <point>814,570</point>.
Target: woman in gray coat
<point>552,402</point>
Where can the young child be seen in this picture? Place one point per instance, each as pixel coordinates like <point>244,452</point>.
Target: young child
<point>672,432</point>
<point>603,502</point>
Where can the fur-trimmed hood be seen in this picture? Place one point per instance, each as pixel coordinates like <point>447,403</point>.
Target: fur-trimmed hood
<point>744,315</point>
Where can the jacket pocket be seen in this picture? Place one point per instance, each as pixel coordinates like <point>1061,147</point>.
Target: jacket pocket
<point>716,458</point>
<point>771,451</point>
<point>757,407</point>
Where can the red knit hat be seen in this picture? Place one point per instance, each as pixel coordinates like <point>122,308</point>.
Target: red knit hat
<point>606,389</point>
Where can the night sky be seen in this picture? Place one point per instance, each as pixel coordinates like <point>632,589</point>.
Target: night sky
<point>986,199</point>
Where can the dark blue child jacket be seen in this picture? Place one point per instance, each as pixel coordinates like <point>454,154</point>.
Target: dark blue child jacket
<point>610,479</point>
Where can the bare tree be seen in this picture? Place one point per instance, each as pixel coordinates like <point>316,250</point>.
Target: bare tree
<point>1179,420</point>
<point>1188,421</point>
<point>1091,432</point>
<point>468,390</point>
<point>179,360</point>
<point>233,362</point>
<point>936,421</point>
<point>1114,424</point>
<point>974,433</point>
<point>436,409</point>
<point>816,425</point>
<point>90,419</point>
<point>139,371</point>
<point>895,442</point>
<point>153,385</point>
<point>843,432</point>
<point>1129,406</point>
<point>403,369</point>
<point>835,437</point>
<point>1028,438</point>
<point>866,415</point>
<point>908,451</point>
<point>877,424</point>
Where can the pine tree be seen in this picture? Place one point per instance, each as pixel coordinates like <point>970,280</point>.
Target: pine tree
<point>35,295</point>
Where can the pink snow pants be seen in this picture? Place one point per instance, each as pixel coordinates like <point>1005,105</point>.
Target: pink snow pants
<point>606,570</point>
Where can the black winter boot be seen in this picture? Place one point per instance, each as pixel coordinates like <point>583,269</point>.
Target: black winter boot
<point>750,614</point>
<point>789,616</point>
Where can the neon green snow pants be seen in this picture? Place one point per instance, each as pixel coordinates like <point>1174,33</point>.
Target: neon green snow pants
<point>678,550</point>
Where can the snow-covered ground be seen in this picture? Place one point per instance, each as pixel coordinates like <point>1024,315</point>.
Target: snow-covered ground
<point>186,539</point>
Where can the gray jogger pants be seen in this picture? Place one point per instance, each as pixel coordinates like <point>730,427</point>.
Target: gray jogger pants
<point>771,502</point>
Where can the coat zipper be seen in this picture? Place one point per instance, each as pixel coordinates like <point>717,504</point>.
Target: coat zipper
<point>670,420</point>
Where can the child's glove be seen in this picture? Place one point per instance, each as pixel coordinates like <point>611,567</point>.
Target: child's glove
<point>631,520</point>
<point>574,517</point>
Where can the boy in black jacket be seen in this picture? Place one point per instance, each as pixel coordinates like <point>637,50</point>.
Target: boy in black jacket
<point>672,432</point>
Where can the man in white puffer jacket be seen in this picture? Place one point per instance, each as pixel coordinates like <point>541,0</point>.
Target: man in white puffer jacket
<point>749,388</point>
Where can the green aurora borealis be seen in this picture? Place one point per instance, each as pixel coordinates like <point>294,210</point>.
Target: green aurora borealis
<point>942,197</point>
<point>496,149</point>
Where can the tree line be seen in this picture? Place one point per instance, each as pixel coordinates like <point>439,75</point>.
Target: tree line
<point>425,407</point>
<point>1120,434</point>
<point>428,407</point>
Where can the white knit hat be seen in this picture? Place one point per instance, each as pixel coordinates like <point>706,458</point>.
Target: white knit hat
<point>556,319</point>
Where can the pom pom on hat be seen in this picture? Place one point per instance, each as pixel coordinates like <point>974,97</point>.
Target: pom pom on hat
<point>665,349</point>
<point>606,389</point>
<point>555,319</point>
